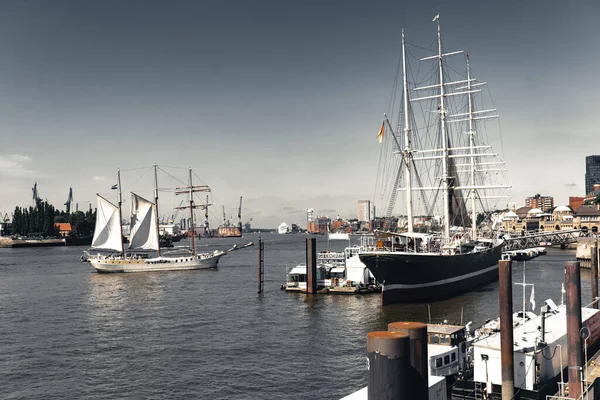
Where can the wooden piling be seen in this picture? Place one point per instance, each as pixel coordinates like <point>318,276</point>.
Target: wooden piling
<point>261,266</point>
<point>506,329</point>
<point>311,266</point>
<point>594,277</point>
<point>388,365</point>
<point>419,359</point>
<point>575,354</point>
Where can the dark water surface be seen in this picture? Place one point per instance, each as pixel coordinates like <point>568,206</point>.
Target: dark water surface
<point>67,332</point>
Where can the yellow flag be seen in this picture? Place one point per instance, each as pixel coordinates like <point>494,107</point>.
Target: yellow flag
<point>380,134</point>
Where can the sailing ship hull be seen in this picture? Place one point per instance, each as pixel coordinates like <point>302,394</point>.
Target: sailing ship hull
<point>420,277</point>
<point>112,264</point>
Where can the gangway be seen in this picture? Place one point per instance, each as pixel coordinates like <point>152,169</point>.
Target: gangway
<point>553,238</point>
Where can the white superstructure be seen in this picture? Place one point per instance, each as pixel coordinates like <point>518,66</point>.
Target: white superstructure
<point>530,357</point>
<point>283,228</point>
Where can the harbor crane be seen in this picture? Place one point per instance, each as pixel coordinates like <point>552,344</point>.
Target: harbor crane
<point>36,196</point>
<point>69,201</point>
<point>240,214</point>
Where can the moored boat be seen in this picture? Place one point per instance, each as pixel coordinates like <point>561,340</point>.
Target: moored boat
<point>448,164</point>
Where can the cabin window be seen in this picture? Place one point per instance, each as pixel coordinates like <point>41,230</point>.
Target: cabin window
<point>446,360</point>
<point>434,339</point>
<point>444,339</point>
<point>453,356</point>
<point>438,362</point>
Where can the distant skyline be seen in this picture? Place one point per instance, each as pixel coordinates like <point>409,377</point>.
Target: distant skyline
<point>276,101</point>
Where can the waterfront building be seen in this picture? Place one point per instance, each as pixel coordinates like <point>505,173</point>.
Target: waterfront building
<point>64,228</point>
<point>544,203</point>
<point>589,216</point>
<point>364,211</point>
<point>592,172</point>
<point>575,202</point>
<point>562,218</point>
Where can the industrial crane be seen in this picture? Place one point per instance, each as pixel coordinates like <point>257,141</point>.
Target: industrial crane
<point>36,196</point>
<point>69,201</point>
<point>240,214</point>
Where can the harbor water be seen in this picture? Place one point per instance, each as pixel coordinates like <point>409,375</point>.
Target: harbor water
<point>68,332</point>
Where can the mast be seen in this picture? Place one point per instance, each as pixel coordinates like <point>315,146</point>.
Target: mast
<point>120,201</point>
<point>472,150</point>
<point>407,149</point>
<point>156,205</point>
<point>206,226</point>
<point>442,112</point>
<point>192,215</point>
<point>190,190</point>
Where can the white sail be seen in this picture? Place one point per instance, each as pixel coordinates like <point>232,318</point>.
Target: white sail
<point>107,234</point>
<point>143,235</point>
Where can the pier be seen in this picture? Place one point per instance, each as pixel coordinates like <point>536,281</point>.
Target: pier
<point>554,238</point>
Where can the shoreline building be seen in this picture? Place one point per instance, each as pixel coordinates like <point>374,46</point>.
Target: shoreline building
<point>592,172</point>
<point>544,203</point>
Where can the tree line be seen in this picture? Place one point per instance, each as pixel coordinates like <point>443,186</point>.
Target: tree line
<point>40,221</point>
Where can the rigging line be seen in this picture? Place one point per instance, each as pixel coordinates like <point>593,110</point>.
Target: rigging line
<point>173,177</point>
<point>138,179</point>
<point>136,169</point>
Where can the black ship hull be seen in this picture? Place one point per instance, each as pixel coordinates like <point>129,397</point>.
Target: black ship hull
<point>421,277</point>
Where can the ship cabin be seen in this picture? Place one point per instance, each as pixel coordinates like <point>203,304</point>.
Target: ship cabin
<point>297,278</point>
<point>447,349</point>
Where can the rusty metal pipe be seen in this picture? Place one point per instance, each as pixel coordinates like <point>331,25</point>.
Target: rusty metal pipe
<point>311,265</point>
<point>419,365</point>
<point>506,329</point>
<point>389,366</point>
<point>575,356</point>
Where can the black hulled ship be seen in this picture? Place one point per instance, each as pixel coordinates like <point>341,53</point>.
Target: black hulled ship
<point>448,174</point>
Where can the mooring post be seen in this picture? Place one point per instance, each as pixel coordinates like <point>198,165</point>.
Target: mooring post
<point>594,264</point>
<point>419,361</point>
<point>388,365</point>
<point>575,354</point>
<point>311,265</point>
<point>506,329</point>
<point>261,266</point>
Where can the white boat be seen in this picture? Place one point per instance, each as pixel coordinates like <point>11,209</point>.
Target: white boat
<point>346,268</point>
<point>449,358</point>
<point>539,356</point>
<point>108,253</point>
<point>297,278</point>
<point>283,228</point>
<point>339,236</point>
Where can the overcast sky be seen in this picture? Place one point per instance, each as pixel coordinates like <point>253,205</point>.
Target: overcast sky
<point>278,101</point>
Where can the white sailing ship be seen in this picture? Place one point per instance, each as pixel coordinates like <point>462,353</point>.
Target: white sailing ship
<point>108,253</point>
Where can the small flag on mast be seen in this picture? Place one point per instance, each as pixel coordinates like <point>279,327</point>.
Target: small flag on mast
<point>435,18</point>
<point>380,134</point>
<point>114,186</point>
<point>531,299</point>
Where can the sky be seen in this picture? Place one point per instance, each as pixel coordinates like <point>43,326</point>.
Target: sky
<point>276,101</point>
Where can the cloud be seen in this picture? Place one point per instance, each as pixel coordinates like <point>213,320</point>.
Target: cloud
<point>14,165</point>
<point>570,185</point>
